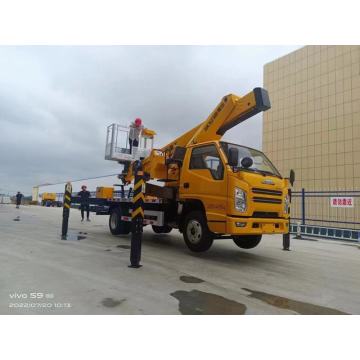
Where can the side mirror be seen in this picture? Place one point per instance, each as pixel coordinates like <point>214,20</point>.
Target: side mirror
<point>246,162</point>
<point>233,156</point>
<point>292,177</point>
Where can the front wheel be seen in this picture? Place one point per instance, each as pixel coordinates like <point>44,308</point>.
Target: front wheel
<point>165,229</point>
<point>116,225</point>
<point>196,234</point>
<point>247,241</point>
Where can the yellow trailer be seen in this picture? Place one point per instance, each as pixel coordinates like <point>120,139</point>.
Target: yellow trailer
<point>103,192</point>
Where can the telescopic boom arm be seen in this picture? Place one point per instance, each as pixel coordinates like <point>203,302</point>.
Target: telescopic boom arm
<point>231,111</point>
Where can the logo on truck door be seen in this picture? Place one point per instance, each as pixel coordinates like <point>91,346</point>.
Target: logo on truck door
<point>215,207</point>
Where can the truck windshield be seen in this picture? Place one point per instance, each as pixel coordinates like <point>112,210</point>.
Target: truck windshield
<point>260,164</point>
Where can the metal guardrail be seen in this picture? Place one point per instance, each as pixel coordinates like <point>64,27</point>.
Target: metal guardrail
<point>313,214</point>
<point>325,232</point>
<point>117,194</point>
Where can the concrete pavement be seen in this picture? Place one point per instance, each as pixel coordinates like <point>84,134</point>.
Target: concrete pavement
<point>41,274</point>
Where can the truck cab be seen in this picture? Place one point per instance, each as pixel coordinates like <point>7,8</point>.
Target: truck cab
<point>237,189</point>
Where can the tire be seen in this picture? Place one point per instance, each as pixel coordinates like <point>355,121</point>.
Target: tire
<point>247,241</point>
<point>196,234</point>
<point>116,225</point>
<point>165,229</point>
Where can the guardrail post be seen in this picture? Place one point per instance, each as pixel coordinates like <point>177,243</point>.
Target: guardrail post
<point>137,216</point>
<point>66,210</point>
<point>303,206</point>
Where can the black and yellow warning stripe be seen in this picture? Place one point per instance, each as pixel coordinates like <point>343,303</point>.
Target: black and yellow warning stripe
<point>67,196</point>
<point>138,198</point>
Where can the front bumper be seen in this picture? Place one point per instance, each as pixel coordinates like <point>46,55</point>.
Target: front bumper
<point>256,226</point>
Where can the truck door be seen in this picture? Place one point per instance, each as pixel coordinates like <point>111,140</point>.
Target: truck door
<point>203,177</point>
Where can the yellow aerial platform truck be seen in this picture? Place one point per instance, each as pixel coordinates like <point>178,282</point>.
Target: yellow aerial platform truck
<point>205,187</point>
<point>50,199</point>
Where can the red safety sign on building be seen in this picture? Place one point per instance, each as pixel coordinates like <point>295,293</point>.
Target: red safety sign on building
<point>342,201</point>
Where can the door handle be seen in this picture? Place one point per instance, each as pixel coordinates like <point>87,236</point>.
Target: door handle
<point>186,185</point>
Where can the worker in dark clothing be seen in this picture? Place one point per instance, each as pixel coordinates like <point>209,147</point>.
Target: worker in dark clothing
<point>19,196</point>
<point>84,203</point>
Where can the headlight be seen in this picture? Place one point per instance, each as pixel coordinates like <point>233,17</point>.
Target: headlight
<point>240,200</point>
<point>286,204</point>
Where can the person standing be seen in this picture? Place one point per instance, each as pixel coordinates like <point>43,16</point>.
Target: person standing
<point>19,196</point>
<point>84,203</point>
<point>134,134</point>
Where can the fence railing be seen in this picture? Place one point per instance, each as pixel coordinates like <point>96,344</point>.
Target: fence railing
<point>116,194</point>
<point>333,214</point>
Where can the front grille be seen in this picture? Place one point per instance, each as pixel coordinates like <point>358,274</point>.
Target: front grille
<point>265,214</point>
<point>267,200</point>
<point>267,191</point>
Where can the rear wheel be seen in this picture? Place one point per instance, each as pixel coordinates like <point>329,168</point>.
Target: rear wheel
<point>247,241</point>
<point>165,229</point>
<point>196,234</point>
<point>116,225</point>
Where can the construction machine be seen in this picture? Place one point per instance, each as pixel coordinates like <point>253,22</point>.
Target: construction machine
<point>206,188</point>
<point>49,199</point>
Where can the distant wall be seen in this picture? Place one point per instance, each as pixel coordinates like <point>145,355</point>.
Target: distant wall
<point>5,199</point>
